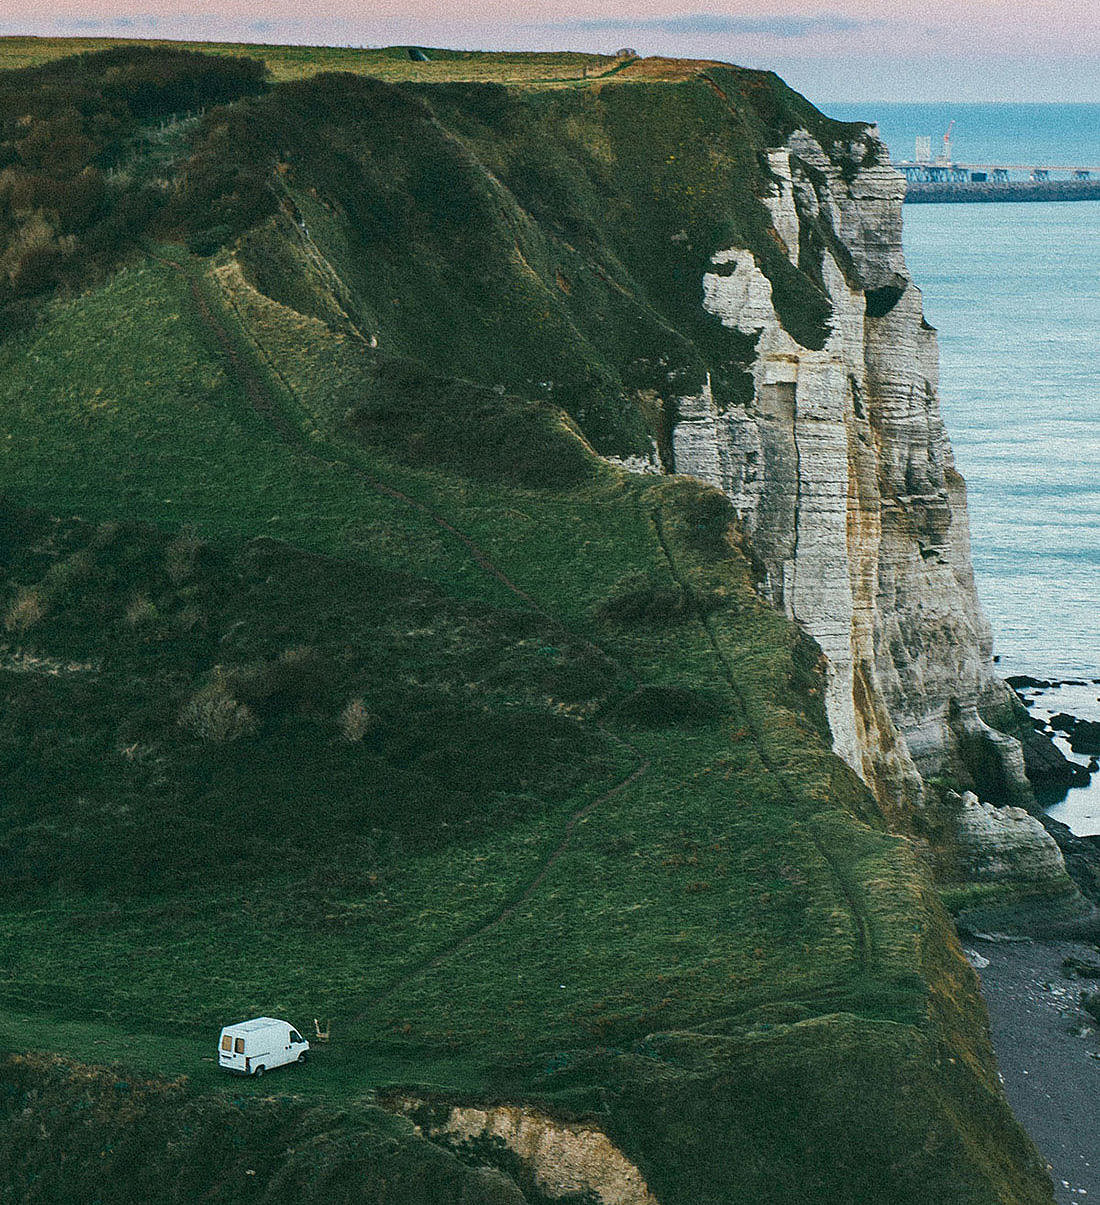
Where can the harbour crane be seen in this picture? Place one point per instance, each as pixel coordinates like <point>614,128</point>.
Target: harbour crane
<point>947,156</point>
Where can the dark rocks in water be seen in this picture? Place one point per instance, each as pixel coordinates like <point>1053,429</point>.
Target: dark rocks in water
<point>1084,735</point>
<point>1026,682</point>
<point>1081,855</point>
<point>1086,740</point>
<point>1046,766</point>
<point>1081,968</point>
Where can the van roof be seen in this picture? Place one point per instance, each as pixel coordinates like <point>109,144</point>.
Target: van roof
<point>254,1024</point>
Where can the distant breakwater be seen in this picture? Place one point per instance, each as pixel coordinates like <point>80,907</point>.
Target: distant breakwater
<point>945,193</point>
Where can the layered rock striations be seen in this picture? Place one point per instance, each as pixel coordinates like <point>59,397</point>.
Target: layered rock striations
<point>842,475</point>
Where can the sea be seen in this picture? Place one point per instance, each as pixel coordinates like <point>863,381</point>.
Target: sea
<point>1014,291</point>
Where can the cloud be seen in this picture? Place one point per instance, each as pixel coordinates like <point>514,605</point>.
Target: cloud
<point>200,26</point>
<point>779,26</point>
<point>94,25</point>
<point>136,21</point>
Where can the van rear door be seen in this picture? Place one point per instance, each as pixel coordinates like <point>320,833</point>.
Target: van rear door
<point>231,1051</point>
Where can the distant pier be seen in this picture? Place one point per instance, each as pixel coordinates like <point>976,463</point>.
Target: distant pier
<point>917,172</point>
<point>939,182</point>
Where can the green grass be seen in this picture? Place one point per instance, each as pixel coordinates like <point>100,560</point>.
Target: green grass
<point>329,1076</point>
<point>527,237</point>
<point>545,69</point>
<point>532,241</point>
<point>341,684</point>
<point>289,872</point>
<point>153,388</point>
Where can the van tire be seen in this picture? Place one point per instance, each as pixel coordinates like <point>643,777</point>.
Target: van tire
<point>302,1057</point>
<point>258,1073</point>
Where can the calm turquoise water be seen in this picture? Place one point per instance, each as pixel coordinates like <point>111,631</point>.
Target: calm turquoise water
<point>1015,293</point>
<point>1061,135</point>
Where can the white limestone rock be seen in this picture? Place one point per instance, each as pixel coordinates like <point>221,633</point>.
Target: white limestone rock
<point>646,464</point>
<point>781,202</point>
<point>978,961</point>
<point>565,1158</point>
<point>842,474</point>
<point>1005,844</point>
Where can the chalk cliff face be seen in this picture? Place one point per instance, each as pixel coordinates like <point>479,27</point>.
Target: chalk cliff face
<point>842,475</point>
<point>565,1159</point>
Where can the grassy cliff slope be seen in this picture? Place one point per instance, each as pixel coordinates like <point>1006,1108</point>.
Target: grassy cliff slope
<point>342,678</point>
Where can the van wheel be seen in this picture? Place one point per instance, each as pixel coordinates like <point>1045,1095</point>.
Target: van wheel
<point>302,1057</point>
<point>258,1073</point>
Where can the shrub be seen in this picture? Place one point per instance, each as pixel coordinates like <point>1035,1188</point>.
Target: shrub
<point>181,555</point>
<point>206,242</point>
<point>296,678</point>
<point>25,611</point>
<point>16,316</point>
<point>579,676</point>
<point>215,716</point>
<point>63,123</point>
<point>39,270</point>
<point>657,706</point>
<point>70,572</point>
<point>140,611</point>
<point>425,418</point>
<point>356,722</point>
<point>157,81</point>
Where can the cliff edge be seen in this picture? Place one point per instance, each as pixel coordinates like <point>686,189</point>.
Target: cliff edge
<point>842,475</point>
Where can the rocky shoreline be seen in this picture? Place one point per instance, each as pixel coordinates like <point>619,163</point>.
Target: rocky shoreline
<point>1081,856</point>
<point>1043,992</point>
<point>1056,772</point>
<point>1048,767</point>
<point>1044,1014</point>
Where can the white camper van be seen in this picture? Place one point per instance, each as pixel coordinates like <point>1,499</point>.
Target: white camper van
<point>253,1047</point>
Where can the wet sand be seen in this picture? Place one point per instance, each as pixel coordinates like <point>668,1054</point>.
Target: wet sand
<point>1048,1049</point>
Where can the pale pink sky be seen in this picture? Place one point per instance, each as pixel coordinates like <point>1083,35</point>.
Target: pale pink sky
<point>831,49</point>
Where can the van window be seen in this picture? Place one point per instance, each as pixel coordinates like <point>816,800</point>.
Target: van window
<point>238,1046</point>
<point>227,1041</point>
<point>295,1036</point>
